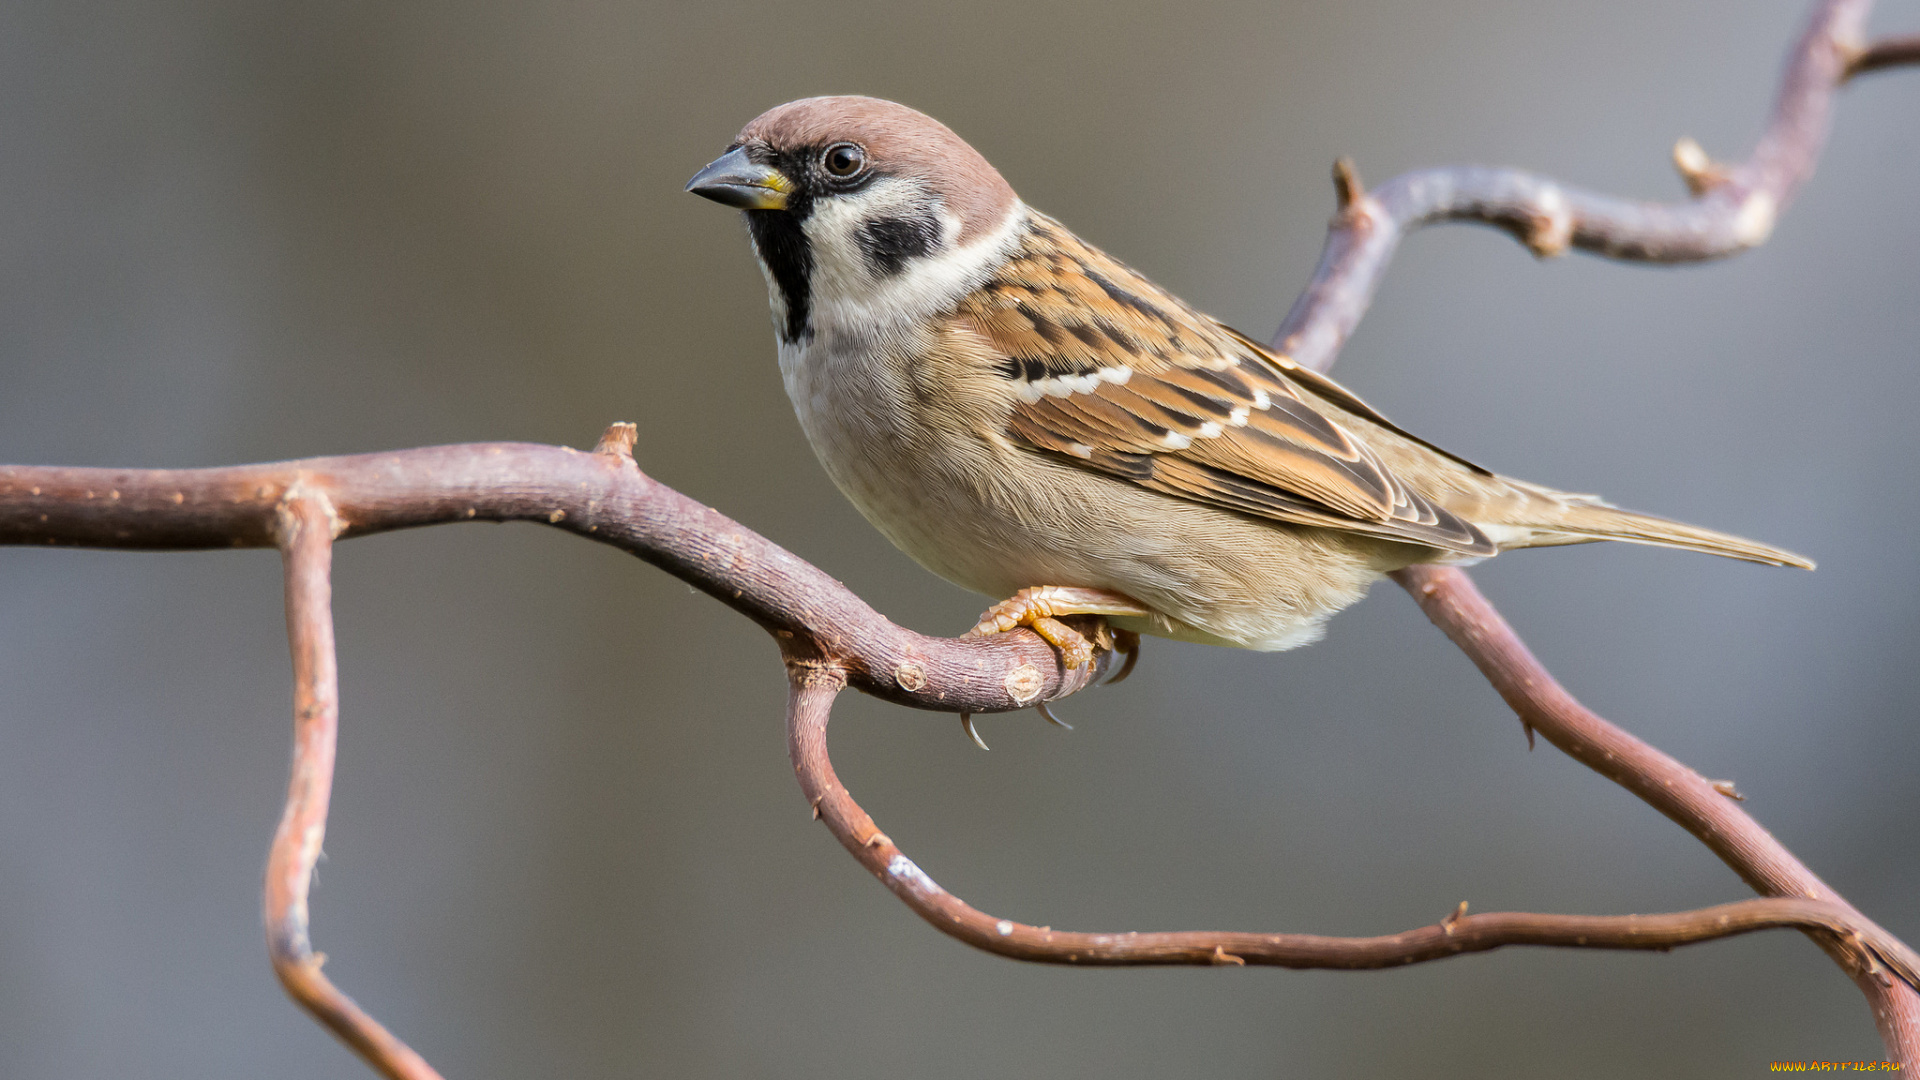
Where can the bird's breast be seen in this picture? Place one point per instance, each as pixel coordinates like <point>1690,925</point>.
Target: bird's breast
<point>933,486</point>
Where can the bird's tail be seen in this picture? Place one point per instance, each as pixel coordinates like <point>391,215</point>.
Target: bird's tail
<point>1579,519</point>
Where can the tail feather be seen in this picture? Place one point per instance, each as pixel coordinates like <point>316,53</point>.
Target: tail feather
<point>1582,521</point>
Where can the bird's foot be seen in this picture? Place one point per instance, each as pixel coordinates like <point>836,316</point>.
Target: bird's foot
<point>1041,609</point>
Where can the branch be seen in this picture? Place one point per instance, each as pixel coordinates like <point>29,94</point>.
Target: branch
<point>813,687</point>
<point>1883,54</point>
<point>602,496</point>
<point>1734,206</point>
<point>831,639</point>
<point>306,525</point>
<point>1865,951</point>
<point>303,506</point>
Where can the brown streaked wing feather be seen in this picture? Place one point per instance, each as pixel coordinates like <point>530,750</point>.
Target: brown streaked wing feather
<point>1202,414</point>
<point>1324,386</point>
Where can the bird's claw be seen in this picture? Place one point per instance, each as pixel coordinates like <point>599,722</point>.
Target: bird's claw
<point>966,724</point>
<point>1040,610</point>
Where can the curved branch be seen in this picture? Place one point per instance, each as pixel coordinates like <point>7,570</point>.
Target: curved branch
<point>812,687</point>
<point>1449,598</point>
<point>306,525</point>
<point>602,496</point>
<point>831,638</point>
<point>1734,206</point>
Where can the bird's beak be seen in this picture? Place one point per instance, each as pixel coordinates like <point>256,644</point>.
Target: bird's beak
<point>735,180</point>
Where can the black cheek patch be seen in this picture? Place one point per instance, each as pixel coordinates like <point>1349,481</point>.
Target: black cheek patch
<point>888,244</point>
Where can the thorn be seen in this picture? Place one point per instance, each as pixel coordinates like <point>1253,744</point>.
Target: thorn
<point>966,722</point>
<point>1346,183</point>
<point>1447,924</point>
<point>1725,787</point>
<point>618,440</point>
<point>1052,719</point>
<point>816,806</point>
<point>1528,728</point>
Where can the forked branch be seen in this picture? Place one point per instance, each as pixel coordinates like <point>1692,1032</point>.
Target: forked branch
<point>813,687</point>
<point>305,523</point>
<point>1733,208</point>
<point>830,639</point>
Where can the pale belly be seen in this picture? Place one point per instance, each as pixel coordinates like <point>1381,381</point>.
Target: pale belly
<point>995,518</point>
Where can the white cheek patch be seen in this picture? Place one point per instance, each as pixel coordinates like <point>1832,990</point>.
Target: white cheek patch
<point>833,229</point>
<point>851,297</point>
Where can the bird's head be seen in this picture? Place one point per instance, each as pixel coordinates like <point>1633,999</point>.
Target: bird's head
<point>861,209</point>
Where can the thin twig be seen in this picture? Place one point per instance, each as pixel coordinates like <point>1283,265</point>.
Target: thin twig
<point>1883,54</point>
<point>1734,207</point>
<point>306,526</point>
<point>1449,598</point>
<point>813,687</point>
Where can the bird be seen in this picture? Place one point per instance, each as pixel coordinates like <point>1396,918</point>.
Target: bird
<point>1033,420</point>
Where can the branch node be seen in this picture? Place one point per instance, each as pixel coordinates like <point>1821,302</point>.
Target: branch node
<point>286,515</point>
<point>809,670</point>
<point>617,441</point>
<point>1754,221</point>
<point>1549,225</point>
<point>911,677</point>
<point>1024,683</point>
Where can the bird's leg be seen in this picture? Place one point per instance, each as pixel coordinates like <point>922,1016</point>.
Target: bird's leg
<point>1039,609</point>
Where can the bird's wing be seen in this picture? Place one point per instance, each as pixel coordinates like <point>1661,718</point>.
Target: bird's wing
<point>1116,375</point>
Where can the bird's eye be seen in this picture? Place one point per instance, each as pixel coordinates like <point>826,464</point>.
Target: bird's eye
<point>843,159</point>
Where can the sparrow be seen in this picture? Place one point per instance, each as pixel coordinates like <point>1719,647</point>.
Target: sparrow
<point>1031,419</point>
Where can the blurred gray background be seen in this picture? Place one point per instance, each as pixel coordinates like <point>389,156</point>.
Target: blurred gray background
<point>566,841</point>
